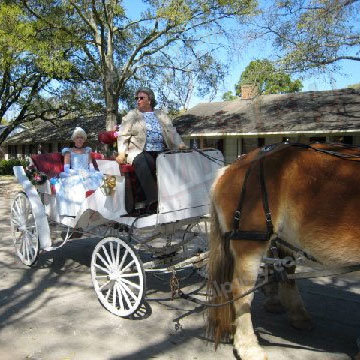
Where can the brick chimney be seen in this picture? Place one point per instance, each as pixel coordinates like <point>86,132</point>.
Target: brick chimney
<point>248,91</point>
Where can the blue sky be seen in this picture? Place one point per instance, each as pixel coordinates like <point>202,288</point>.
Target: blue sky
<point>348,74</point>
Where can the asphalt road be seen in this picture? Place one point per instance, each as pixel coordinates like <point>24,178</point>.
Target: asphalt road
<point>51,311</point>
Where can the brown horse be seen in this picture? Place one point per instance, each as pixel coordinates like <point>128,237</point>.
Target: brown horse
<point>313,194</point>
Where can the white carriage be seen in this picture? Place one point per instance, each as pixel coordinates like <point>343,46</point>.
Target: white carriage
<point>173,235</point>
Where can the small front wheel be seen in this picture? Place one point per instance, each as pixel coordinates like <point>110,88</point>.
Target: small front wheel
<point>23,229</point>
<point>118,276</point>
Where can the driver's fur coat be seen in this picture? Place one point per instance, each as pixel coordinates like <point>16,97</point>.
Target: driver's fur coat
<point>132,134</point>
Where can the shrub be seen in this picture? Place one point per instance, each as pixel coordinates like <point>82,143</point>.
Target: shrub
<point>6,166</point>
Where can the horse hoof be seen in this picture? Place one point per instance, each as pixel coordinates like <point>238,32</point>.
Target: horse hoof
<point>273,306</point>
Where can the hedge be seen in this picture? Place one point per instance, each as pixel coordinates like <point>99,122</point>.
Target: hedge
<point>6,166</point>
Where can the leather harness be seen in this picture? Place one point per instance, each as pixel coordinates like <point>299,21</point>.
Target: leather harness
<point>236,233</point>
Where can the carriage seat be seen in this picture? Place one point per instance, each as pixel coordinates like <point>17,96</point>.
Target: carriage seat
<point>52,164</point>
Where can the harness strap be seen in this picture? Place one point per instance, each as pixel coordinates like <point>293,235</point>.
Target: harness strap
<point>236,233</point>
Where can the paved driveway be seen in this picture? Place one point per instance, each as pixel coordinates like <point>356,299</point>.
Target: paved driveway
<point>51,312</point>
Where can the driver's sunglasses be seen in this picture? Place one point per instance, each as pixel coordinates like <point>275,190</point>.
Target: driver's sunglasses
<point>139,98</point>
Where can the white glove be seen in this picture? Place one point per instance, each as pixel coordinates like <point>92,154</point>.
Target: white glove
<point>68,170</point>
<point>91,167</point>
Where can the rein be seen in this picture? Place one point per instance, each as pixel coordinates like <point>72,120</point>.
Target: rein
<point>274,278</point>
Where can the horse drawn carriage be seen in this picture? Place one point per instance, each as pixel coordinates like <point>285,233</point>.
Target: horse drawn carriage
<point>172,235</point>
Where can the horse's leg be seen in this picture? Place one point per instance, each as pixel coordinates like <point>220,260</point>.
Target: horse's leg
<point>290,298</point>
<point>247,263</point>
<point>272,301</point>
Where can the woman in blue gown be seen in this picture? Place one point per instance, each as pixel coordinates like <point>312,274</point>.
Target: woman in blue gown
<point>78,177</point>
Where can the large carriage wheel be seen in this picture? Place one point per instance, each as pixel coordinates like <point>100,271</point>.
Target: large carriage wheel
<point>23,229</point>
<point>118,276</point>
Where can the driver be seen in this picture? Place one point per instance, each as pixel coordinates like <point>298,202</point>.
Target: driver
<point>143,134</point>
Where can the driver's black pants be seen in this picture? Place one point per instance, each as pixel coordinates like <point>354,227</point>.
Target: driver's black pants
<point>145,170</point>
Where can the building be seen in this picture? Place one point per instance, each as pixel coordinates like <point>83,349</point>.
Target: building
<point>238,126</point>
<point>3,148</point>
<point>44,136</point>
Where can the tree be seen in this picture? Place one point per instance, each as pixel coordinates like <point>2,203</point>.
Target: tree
<point>313,35</point>
<point>228,96</point>
<point>267,78</point>
<point>354,86</point>
<point>171,39</point>
<point>29,60</point>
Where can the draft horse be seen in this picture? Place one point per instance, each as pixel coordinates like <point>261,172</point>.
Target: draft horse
<point>311,197</point>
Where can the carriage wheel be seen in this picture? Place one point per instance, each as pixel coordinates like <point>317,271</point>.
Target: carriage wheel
<point>118,276</point>
<point>23,229</point>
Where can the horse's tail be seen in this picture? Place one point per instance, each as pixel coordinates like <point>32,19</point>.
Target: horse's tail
<point>220,273</point>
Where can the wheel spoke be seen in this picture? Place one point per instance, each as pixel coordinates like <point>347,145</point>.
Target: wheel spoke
<point>127,300</point>
<point>123,259</point>
<point>114,296</point>
<point>112,252</point>
<point>103,260</point>
<point>120,296</point>
<point>15,221</point>
<point>117,254</point>
<point>18,208</point>
<point>108,294</point>
<point>103,269</point>
<point>26,242</point>
<point>126,289</point>
<point>128,275</point>
<point>128,265</point>
<point>104,286</point>
<point>132,284</point>
<point>106,255</point>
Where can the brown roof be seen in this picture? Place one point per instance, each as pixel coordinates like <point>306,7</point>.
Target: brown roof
<point>311,111</point>
<point>45,132</point>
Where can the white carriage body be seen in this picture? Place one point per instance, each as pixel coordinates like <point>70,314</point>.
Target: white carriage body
<point>184,181</point>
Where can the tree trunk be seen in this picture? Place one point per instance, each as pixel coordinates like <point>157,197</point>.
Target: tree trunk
<point>5,133</point>
<point>111,101</point>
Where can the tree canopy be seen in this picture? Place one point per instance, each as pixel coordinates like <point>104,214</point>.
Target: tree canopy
<point>267,78</point>
<point>171,46</point>
<point>312,35</point>
<point>31,60</point>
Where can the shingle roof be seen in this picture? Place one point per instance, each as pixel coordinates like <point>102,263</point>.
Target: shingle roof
<point>311,111</point>
<point>44,132</point>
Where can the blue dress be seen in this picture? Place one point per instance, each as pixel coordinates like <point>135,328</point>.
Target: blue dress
<point>71,187</point>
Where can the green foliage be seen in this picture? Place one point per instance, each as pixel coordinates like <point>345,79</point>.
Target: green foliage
<point>354,86</point>
<point>32,57</point>
<point>313,35</point>
<point>267,78</point>
<point>6,166</point>
<point>228,96</point>
<point>117,51</point>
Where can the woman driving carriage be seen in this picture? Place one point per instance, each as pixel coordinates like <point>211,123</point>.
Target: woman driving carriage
<point>143,134</point>
<point>78,177</point>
